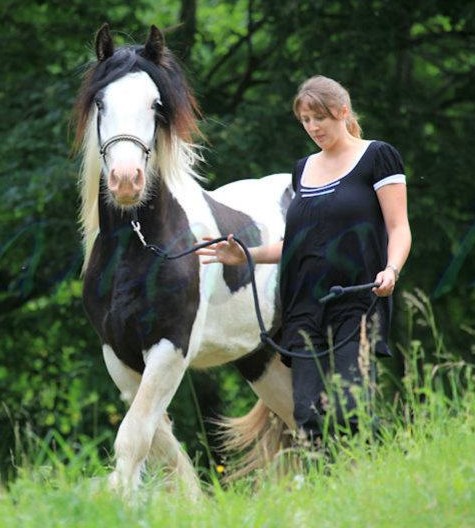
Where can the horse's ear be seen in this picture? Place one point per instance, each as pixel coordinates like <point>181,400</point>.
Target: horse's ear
<point>153,49</point>
<point>104,43</point>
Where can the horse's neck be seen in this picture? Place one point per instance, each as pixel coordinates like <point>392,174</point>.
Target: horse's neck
<point>161,218</point>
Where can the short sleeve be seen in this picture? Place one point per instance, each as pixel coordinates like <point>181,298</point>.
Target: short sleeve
<point>388,167</point>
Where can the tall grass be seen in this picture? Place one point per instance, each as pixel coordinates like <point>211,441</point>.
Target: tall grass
<point>417,470</point>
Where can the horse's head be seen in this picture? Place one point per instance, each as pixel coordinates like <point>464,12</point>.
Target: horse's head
<point>134,108</point>
<point>128,111</point>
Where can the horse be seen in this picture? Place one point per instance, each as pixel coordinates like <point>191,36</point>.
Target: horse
<point>156,317</point>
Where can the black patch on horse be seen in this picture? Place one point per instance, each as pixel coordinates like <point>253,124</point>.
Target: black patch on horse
<point>252,366</point>
<point>243,226</point>
<point>134,298</point>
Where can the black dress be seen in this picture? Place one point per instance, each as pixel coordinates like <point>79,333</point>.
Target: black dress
<point>335,235</point>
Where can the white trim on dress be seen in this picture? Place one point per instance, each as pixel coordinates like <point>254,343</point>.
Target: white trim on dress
<point>395,178</point>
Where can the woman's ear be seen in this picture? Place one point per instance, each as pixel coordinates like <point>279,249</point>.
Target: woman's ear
<point>343,112</point>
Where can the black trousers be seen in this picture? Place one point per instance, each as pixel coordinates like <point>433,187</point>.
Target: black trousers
<point>315,394</point>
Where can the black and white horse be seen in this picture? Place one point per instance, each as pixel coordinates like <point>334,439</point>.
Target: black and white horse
<point>157,317</point>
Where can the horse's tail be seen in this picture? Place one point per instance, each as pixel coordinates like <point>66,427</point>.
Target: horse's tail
<point>259,435</point>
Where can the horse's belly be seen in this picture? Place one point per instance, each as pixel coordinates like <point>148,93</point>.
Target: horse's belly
<point>230,329</point>
<point>215,355</point>
<point>231,346</point>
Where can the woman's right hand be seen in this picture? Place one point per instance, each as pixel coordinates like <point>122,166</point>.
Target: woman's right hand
<point>227,252</point>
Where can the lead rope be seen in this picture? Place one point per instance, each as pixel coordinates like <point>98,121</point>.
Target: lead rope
<point>335,291</point>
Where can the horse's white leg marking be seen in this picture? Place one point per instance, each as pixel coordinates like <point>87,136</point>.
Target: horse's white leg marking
<point>166,449</point>
<point>274,388</point>
<point>164,369</point>
<point>126,379</point>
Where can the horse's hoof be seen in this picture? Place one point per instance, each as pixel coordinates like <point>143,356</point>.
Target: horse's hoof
<point>119,486</point>
<point>114,483</point>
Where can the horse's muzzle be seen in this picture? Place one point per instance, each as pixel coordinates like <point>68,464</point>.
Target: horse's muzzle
<point>126,187</point>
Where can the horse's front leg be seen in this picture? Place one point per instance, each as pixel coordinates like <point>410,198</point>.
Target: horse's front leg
<point>164,369</point>
<point>167,450</point>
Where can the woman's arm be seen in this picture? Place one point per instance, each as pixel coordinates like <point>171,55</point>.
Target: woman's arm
<point>269,254</point>
<point>393,201</point>
<point>229,252</point>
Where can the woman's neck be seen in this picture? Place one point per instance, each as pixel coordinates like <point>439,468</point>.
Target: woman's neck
<point>342,146</point>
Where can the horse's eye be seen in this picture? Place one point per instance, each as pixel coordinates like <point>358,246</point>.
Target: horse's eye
<point>159,110</point>
<point>99,104</point>
<point>157,105</point>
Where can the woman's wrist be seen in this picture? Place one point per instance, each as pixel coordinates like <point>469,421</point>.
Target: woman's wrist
<point>254,252</point>
<point>266,254</point>
<point>394,269</point>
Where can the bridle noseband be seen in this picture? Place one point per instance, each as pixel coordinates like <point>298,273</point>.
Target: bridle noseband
<point>123,137</point>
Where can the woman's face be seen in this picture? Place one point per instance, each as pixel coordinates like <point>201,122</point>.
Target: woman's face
<point>323,129</point>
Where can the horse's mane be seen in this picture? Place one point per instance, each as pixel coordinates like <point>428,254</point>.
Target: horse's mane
<point>178,154</point>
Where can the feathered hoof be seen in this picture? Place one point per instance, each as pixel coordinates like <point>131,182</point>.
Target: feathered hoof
<point>122,486</point>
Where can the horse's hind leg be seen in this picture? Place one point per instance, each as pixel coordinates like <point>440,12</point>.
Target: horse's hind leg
<point>271,380</point>
<point>164,369</point>
<point>261,434</point>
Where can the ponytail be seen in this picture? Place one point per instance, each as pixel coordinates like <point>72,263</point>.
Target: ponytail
<point>353,126</point>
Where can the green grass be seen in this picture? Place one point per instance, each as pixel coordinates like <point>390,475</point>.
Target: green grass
<point>420,472</point>
<point>421,475</point>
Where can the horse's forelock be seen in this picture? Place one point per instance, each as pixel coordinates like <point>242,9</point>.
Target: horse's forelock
<point>181,112</point>
<point>97,77</point>
<point>179,103</point>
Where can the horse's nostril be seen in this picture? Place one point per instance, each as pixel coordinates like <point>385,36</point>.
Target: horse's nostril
<point>138,180</point>
<point>113,180</point>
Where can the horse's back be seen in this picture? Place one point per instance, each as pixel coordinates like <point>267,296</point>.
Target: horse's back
<point>259,197</point>
<point>230,328</point>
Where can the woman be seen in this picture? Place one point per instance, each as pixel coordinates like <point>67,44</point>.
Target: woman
<point>347,225</point>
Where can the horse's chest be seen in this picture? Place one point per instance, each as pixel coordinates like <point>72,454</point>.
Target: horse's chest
<point>136,302</point>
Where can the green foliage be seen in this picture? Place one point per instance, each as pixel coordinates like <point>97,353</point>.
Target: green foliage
<point>409,68</point>
<point>422,474</point>
<point>49,380</point>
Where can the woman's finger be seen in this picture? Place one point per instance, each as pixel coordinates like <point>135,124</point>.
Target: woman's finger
<point>205,252</point>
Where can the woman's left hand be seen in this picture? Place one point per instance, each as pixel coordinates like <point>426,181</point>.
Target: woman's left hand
<point>387,282</point>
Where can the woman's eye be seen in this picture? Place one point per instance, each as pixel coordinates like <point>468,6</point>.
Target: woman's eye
<point>306,120</point>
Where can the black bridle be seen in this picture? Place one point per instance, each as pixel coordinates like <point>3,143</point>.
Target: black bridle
<point>335,291</point>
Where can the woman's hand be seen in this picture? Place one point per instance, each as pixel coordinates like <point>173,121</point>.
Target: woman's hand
<point>227,252</point>
<point>387,281</point>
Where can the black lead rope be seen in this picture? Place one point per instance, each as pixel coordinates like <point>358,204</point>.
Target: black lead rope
<point>335,292</point>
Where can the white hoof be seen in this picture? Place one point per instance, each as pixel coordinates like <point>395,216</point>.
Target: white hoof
<point>124,487</point>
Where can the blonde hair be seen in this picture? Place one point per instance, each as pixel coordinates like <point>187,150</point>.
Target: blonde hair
<point>325,95</point>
